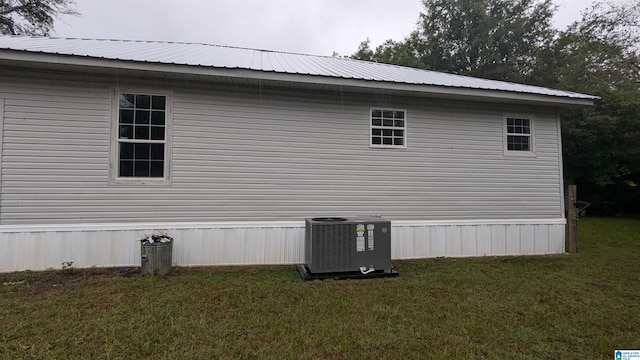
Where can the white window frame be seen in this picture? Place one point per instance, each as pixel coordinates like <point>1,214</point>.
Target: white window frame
<point>532,135</point>
<point>114,163</point>
<point>371,127</point>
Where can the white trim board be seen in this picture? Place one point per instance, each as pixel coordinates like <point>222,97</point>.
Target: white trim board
<point>252,224</point>
<point>478,222</point>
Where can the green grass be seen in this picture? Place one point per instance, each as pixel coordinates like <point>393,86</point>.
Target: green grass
<point>563,307</point>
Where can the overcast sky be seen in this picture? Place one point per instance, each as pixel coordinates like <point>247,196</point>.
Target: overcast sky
<point>317,27</point>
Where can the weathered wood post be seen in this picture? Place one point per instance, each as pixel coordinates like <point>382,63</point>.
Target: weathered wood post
<point>571,243</point>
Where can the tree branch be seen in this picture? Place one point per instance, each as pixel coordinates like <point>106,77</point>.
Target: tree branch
<point>17,8</point>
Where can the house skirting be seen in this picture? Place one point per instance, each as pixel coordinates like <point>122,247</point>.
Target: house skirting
<point>40,247</point>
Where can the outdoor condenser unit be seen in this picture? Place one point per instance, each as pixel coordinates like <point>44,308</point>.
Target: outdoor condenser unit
<point>359,244</point>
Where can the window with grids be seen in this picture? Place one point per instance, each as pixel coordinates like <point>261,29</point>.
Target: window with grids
<point>519,134</point>
<point>142,135</point>
<point>388,128</point>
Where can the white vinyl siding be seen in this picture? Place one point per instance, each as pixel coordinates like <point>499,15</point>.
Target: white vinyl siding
<point>255,154</point>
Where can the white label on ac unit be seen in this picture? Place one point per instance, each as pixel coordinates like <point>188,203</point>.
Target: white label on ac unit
<point>360,243</point>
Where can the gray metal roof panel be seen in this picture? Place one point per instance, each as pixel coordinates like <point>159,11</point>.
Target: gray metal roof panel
<point>215,56</point>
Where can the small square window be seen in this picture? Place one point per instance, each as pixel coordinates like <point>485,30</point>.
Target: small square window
<point>388,128</point>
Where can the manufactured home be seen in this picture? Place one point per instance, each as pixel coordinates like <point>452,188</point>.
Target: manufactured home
<point>228,150</point>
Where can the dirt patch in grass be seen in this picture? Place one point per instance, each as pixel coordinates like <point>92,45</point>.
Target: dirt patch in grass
<point>43,282</point>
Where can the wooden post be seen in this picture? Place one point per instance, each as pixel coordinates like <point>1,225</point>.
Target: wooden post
<point>572,220</point>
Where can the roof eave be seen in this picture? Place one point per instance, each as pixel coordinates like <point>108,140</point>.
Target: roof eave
<point>476,94</point>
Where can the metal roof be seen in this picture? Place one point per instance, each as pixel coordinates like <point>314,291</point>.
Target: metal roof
<point>225,57</point>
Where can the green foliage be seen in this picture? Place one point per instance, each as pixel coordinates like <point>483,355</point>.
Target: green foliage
<point>32,17</point>
<point>494,39</point>
<point>497,39</point>
<point>599,55</point>
<point>390,52</point>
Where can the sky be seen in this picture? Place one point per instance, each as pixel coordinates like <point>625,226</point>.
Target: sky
<point>316,27</point>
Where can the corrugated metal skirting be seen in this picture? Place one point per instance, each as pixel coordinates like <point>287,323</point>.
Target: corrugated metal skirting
<point>40,248</point>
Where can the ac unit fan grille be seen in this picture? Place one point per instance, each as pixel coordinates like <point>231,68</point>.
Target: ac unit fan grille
<point>332,248</point>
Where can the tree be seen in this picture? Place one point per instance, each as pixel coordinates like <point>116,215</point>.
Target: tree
<point>32,17</point>
<point>599,55</point>
<point>494,39</point>
<point>390,52</point>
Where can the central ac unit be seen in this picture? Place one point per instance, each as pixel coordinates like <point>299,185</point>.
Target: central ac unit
<point>359,244</point>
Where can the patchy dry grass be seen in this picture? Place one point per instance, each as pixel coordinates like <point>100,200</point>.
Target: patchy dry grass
<point>562,307</point>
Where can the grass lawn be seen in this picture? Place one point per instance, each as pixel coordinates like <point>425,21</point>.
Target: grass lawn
<point>562,307</point>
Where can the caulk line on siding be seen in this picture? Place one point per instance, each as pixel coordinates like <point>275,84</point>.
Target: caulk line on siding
<point>252,225</point>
